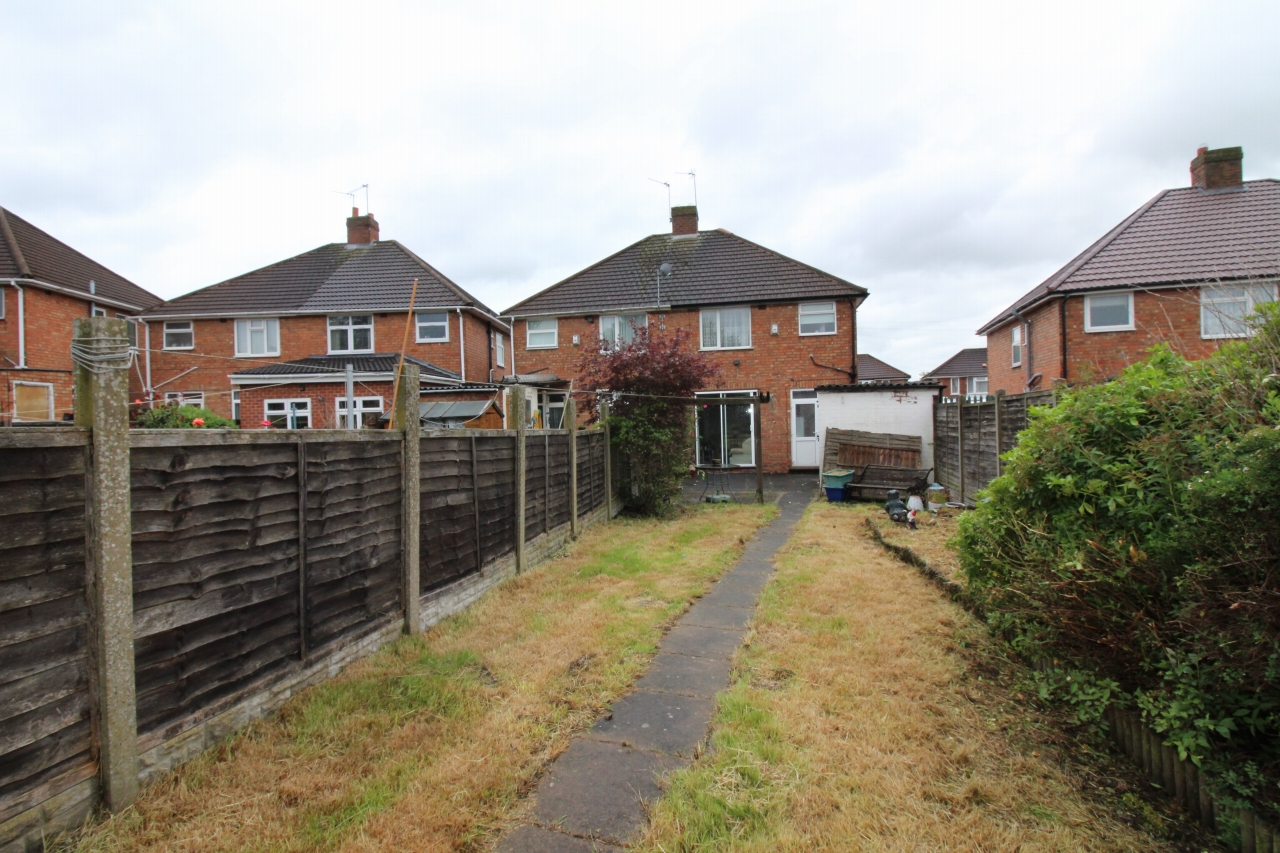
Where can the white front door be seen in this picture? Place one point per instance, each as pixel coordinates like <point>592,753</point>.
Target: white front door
<point>804,429</point>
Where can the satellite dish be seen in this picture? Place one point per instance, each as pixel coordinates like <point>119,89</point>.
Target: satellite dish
<point>665,269</point>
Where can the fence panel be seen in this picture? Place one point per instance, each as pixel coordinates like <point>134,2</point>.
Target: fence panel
<point>353,537</point>
<point>496,473</point>
<point>535,507</point>
<point>44,686</point>
<point>590,471</point>
<point>558,510</point>
<point>981,450</point>
<point>449,511</point>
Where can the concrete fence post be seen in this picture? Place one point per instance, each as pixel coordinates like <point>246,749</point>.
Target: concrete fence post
<point>517,407</point>
<point>405,416</point>
<point>100,349</point>
<point>571,421</point>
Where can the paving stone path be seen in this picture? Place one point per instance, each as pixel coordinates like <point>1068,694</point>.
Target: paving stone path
<point>594,797</point>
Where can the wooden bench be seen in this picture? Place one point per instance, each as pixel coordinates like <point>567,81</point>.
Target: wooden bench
<point>873,482</point>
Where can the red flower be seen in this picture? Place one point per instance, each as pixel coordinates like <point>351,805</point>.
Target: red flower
<point>199,422</point>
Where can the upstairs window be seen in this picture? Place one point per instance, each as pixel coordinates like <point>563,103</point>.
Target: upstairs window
<point>179,334</point>
<point>542,333</point>
<point>1110,312</point>
<point>1223,308</point>
<point>351,333</point>
<point>1016,338</point>
<point>726,328</point>
<point>620,329</point>
<point>433,327</point>
<point>818,318</point>
<point>500,345</point>
<point>257,337</point>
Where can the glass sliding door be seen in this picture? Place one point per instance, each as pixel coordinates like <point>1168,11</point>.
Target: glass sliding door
<point>726,434</point>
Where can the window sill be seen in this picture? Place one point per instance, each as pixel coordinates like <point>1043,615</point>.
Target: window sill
<point>1238,337</point>
<point>723,349</point>
<point>350,352</point>
<point>1089,331</point>
<point>818,334</point>
<point>257,355</point>
<point>552,346</point>
<point>433,341</point>
<point>177,349</point>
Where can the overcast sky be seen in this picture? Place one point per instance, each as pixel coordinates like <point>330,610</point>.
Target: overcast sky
<point>945,156</point>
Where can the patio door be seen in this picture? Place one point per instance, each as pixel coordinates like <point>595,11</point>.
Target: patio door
<point>726,434</point>
<point>804,429</point>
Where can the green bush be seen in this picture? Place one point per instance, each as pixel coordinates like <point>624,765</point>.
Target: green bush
<point>181,417</point>
<point>1134,535</point>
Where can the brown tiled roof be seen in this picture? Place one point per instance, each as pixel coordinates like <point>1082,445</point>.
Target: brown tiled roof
<point>1183,236</point>
<point>708,268</point>
<point>27,252</point>
<point>334,277</point>
<point>872,369</point>
<point>967,362</point>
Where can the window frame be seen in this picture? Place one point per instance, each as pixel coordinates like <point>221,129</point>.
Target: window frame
<point>266,337</point>
<point>181,398</point>
<point>554,330</point>
<point>954,390</point>
<point>1088,321</point>
<point>617,326</point>
<point>49,397</point>
<point>702,329</point>
<point>418,324</point>
<point>974,380</point>
<point>1250,307</point>
<point>350,328</point>
<point>288,413</point>
<point>1016,345</point>
<point>722,411</point>
<point>235,405</point>
<point>190,330</point>
<point>340,406</point>
<point>835,320</point>
<point>500,347</point>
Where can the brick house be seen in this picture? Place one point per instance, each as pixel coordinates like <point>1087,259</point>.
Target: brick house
<point>273,344</point>
<point>962,375</point>
<point>872,369</point>
<point>44,285</point>
<point>771,323</point>
<point>1183,269</point>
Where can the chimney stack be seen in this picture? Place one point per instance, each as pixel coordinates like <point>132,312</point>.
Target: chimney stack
<point>684,220</point>
<point>361,230</point>
<point>1216,169</point>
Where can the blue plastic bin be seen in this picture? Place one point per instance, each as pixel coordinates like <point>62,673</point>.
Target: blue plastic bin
<point>835,495</point>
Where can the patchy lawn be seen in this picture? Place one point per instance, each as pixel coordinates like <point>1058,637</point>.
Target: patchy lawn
<point>928,540</point>
<point>868,712</point>
<point>430,743</point>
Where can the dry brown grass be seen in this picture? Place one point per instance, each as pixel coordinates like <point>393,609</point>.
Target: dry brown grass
<point>928,540</point>
<point>867,715</point>
<point>429,744</point>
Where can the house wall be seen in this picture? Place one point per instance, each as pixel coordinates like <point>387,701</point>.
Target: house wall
<point>1045,352</point>
<point>214,354</point>
<point>774,363</point>
<point>324,396</point>
<point>899,412</point>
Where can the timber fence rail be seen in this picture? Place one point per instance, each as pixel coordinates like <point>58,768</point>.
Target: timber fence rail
<point>238,568</point>
<point>968,439</point>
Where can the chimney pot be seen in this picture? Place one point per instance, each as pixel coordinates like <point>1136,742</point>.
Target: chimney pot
<point>361,230</point>
<point>1217,168</point>
<point>684,220</point>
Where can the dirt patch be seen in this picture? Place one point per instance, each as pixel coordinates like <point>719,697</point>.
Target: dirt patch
<point>929,539</point>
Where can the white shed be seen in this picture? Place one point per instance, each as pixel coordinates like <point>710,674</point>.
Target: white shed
<point>900,408</point>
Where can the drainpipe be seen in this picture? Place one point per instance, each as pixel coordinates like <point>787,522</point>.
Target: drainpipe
<point>146,338</point>
<point>1026,344</point>
<point>462,345</point>
<point>22,323</point>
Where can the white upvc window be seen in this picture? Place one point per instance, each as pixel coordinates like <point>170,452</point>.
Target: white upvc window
<point>363,406</point>
<point>726,328</point>
<point>542,333</point>
<point>1223,308</point>
<point>235,406</point>
<point>620,329</point>
<point>817,318</point>
<point>1016,341</point>
<point>1109,312</point>
<point>500,345</point>
<point>288,414</point>
<point>955,386</point>
<point>977,385</point>
<point>97,310</point>
<point>433,327</point>
<point>351,333</point>
<point>131,326</point>
<point>179,334</point>
<point>257,337</point>
<point>184,398</point>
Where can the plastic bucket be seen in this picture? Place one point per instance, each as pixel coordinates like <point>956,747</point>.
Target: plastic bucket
<point>835,495</point>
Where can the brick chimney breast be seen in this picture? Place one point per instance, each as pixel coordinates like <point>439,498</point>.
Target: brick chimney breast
<point>361,230</point>
<point>684,220</point>
<point>1218,168</point>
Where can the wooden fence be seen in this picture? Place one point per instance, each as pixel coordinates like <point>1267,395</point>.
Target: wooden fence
<point>260,559</point>
<point>968,439</point>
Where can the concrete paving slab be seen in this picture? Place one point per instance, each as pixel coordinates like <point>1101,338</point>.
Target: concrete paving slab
<point>599,789</point>
<point>744,580</point>
<point>535,839</point>
<point>701,642</point>
<point>710,615</point>
<point>692,676</point>
<point>663,722</point>
<point>732,596</point>
<point>747,566</point>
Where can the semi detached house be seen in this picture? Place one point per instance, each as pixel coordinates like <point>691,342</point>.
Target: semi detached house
<point>272,346</point>
<point>772,324</point>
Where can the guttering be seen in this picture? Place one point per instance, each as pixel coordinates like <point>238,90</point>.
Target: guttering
<point>79,294</point>
<point>313,313</point>
<point>316,378</point>
<point>146,335</point>
<point>22,324</point>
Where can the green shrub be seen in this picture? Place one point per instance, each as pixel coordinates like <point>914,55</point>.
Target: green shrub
<point>1134,535</point>
<point>181,417</point>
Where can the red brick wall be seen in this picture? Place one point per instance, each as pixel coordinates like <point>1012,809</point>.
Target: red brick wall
<point>300,337</point>
<point>323,397</point>
<point>775,363</point>
<point>1045,352</point>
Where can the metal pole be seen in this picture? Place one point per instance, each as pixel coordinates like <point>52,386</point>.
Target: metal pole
<point>351,398</point>
<point>759,442</point>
